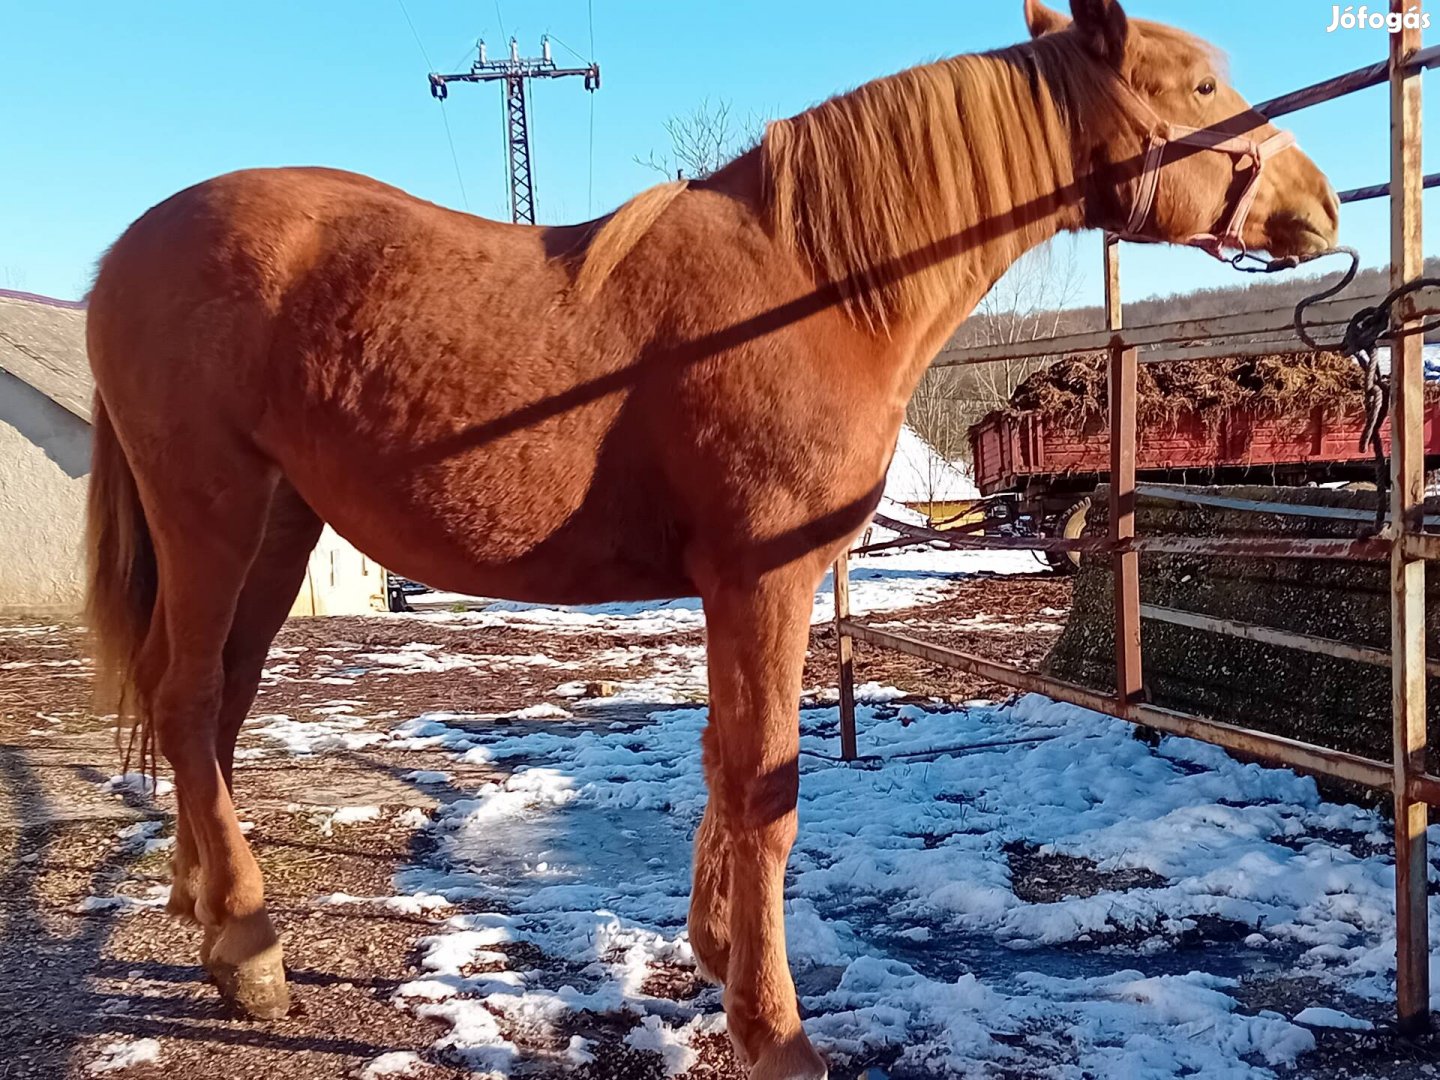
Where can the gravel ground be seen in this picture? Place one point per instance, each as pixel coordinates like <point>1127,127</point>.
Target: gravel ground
<point>74,981</point>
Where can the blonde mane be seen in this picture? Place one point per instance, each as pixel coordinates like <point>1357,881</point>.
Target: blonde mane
<point>879,189</point>
<point>620,232</point>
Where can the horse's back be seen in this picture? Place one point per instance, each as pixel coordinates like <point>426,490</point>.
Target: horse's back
<point>421,376</point>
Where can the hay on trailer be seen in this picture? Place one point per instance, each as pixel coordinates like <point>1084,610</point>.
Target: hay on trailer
<point>1073,390</point>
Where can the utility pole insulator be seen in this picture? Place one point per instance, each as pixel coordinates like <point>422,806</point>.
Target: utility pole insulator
<point>516,72</point>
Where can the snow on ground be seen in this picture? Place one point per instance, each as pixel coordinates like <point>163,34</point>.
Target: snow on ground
<point>124,1054</point>
<point>906,933</point>
<point>904,929</point>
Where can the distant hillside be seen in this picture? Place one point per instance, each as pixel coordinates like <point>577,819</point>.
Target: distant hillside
<point>1250,293</point>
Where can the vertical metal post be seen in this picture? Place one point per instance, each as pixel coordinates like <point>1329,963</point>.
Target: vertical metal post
<point>1123,393</point>
<point>1407,574</point>
<point>845,645</point>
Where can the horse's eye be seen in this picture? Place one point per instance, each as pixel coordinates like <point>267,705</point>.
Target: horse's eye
<point>1206,87</point>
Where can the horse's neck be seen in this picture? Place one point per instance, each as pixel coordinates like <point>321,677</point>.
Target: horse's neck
<point>1018,208</point>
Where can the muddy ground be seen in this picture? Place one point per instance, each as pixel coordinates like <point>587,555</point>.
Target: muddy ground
<point>79,973</point>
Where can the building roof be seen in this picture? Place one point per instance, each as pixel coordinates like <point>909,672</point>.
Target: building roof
<point>42,343</point>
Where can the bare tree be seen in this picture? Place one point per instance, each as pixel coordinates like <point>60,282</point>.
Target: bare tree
<point>1028,303</point>
<point>938,415</point>
<point>703,140</point>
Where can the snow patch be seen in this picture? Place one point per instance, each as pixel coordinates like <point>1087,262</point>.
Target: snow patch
<point>125,1054</point>
<point>1319,1017</point>
<point>397,1063</point>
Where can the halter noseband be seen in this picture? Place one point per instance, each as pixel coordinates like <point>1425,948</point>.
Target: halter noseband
<point>1162,134</point>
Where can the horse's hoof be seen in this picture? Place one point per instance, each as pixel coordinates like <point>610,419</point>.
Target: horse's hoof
<point>794,1059</point>
<point>256,987</point>
<point>245,962</point>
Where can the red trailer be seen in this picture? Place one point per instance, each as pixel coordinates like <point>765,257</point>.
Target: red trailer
<point>1037,473</point>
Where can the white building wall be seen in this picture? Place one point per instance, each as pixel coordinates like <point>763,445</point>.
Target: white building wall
<point>44,467</point>
<point>44,476</point>
<point>339,580</point>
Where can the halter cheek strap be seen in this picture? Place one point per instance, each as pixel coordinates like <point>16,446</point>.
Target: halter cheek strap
<point>1244,150</point>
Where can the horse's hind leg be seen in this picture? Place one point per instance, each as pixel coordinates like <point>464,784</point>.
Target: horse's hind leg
<point>205,545</point>
<point>756,636</point>
<point>271,584</point>
<point>709,921</point>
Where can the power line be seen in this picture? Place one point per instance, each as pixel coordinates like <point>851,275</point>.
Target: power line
<point>590,177</point>
<point>464,56</point>
<point>556,38</point>
<point>501,20</point>
<point>425,55</point>
<point>454,157</point>
<point>590,185</point>
<point>415,34</point>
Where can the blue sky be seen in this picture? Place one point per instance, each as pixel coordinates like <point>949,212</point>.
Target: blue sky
<point>110,108</point>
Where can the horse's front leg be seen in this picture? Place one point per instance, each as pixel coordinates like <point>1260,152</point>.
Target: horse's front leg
<point>757,632</point>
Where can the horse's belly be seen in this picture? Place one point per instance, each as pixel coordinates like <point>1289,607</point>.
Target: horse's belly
<point>532,527</point>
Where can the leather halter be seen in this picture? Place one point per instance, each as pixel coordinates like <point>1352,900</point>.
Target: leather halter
<point>1243,149</point>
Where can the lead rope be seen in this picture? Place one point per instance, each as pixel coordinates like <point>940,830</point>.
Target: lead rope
<point>1363,333</point>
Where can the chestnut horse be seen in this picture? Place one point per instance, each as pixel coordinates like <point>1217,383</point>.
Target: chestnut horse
<point>696,395</point>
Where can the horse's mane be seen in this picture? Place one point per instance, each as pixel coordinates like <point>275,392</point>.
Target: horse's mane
<point>618,234</point>
<point>863,183</point>
<point>881,188</point>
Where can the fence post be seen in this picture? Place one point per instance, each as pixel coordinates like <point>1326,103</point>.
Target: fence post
<point>845,646</point>
<point>1407,572</point>
<point>1125,566</point>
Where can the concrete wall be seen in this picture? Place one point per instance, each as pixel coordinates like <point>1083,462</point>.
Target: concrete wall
<point>44,463</point>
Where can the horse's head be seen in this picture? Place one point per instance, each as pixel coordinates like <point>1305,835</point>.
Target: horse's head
<point>1179,155</point>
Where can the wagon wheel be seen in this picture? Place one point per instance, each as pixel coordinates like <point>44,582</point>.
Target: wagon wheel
<point>1068,526</point>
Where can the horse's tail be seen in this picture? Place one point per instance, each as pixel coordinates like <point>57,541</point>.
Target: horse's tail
<point>120,600</point>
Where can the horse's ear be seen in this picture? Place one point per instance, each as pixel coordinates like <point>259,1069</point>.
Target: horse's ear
<point>1104,27</point>
<point>1043,20</point>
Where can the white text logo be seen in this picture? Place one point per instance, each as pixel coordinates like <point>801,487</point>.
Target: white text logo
<point>1362,18</point>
